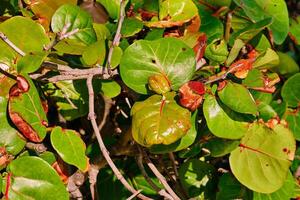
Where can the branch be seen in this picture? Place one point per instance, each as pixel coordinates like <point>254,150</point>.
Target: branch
<point>160,177</point>
<point>162,192</point>
<point>117,35</point>
<point>11,44</point>
<point>103,149</point>
<point>74,183</point>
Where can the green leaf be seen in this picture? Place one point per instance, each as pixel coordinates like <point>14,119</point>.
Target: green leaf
<point>266,60</point>
<point>261,43</point>
<point>181,144</point>
<point>217,118</point>
<point>219,3</point>
<point>210,25</point>
<point>26,111</point>
<point>260,9</point>
<point>70,46</point>
<point>219,147</point>
<point>101,31</point>
<point>166,56</point>
<point>255,78</point>
<point>116,57</point>
<point>77,19</point>
<point>295,29</point>
<point>95,53</point>
<point>29,37</point>
<point>287,65</point>
<point>159,120</point>
<point>70,147</point>
<point>48,156</point>
<point>250,31</point>
<point>286,192</point>
<point>262,160</point>
<point>131,26</point>
<point>266,111</point>
<point>112,7</point>
<point>229,188</point>
<point>291,91</point>
<point>293,118</point>
<point>194,176</point>
<point>234,52</point>
<point>217,52</point>
<point>110,88</point>
<point>33,178</point>
<point>10,138</point>
<point>177,10</point>
<point>238,98</point>
<point>31,62</point>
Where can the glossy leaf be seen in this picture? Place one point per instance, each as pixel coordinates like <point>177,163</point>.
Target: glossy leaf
<point>116,57</point>
<point>265,154</point>
<point>194,176</point>
<point>70,147</point>
<point>167,56</point>
<point>44,9</point>
<point>95,53</point>
<point>217,118</point>
<point>33,42</point>
<point>77,19</point>
<point>33,178</point>
<point>131,26</point>
<point>159,120</point>
<point>31,62</point>
<point>181,144</point>
<point>230,188</point>
<point>286,192</point>
<point>177,10</point>
<point>238,98</point>
<point>293,118</point>
<point>112,7</point>
<point>287,65</point>
<point>258,10</point>
<point>295,29</point>
<point>219,147</point>
<point>291,91</point>
<point>266,60</point>
<point>10,138</point>
<point>26,110</point>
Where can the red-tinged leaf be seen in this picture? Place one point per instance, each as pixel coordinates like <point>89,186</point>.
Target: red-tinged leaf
<point>200,47</point>
<point>191,95</point>
<point>26,110</point>
<point>60,168</point>
<point>4,158</point>
<point>194,25</point>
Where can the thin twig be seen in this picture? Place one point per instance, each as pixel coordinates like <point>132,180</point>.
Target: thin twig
<point>228,26</point>
<point>224,75</point>
<point>117,37</point>
<point>92,118</point>
<point>173,160</point>
<point>11,44</point>
<point>162,192</point>
<point>160,177</point>
<point>134,195</point>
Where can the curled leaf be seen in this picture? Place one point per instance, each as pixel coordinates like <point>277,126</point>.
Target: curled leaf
<point>191,95</point>
<point>159,120</point>
<point>217,51</point>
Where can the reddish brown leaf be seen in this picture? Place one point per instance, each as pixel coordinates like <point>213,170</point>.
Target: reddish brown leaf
<point>61,170</point>
<point>200,47</point>
<point>191,95</point>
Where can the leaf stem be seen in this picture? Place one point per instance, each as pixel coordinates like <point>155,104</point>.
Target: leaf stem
<point>11,44</point>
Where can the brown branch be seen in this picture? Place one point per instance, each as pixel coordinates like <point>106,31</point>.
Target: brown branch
<point>160,177</point>
<point>92,118</point>
<point>38,148</point>
<point>134,195</point>
<point>228,26</point>
<point>162,192</point>
<point>172,158</point>
<point>117,37</point>
<point>11,44</point>
<point>74,183</point>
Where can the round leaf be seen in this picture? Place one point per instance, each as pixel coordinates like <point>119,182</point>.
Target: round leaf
<point>262,160</point>
<point>183,143</point>
<point>217,118</point>
<point>167,56</point>
<point>159,120</point>
<point>26,111</point>
<point>29,37</point>
<point>291,91</point>
<point>34,178</point>
<point>238,98</point>
<point>77,19</point>
<point>31,62</point>
<point>70,147</point>
<point>110,88</point>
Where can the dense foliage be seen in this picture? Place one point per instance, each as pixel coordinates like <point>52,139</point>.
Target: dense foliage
<point>192,99</point>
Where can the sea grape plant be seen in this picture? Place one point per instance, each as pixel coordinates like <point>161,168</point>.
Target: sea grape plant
<point>149,99</point>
